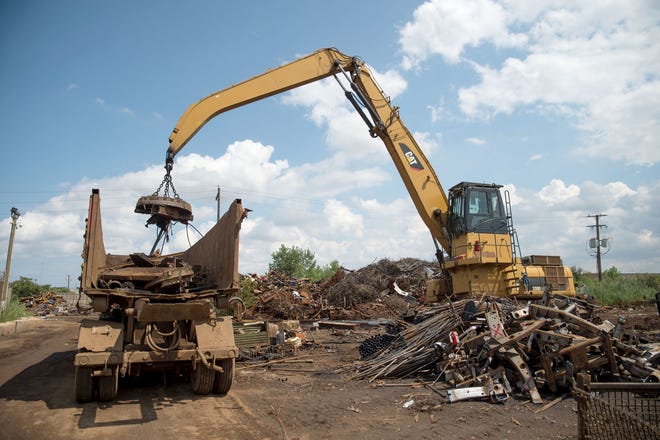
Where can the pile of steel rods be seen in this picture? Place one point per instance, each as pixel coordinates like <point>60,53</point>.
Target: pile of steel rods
<point>413,350</point>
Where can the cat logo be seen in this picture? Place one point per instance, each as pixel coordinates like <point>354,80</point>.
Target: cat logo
<point>413,162</point>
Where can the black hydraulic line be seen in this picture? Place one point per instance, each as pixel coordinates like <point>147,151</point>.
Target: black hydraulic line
<point>372,111</point>
<point>351,97</point>
<point>358,94</point>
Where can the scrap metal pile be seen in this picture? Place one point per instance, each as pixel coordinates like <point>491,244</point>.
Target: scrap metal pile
<point>386,289</point>
<point>493,347</point>
<point>47,303</point>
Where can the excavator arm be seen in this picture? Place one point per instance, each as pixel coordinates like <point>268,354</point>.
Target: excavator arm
<point>368,99</point>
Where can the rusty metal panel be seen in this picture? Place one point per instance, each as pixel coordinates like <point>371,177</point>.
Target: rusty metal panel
<point>218,249</point>
<point>93,254</point>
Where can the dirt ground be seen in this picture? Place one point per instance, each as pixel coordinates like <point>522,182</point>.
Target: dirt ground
<point>301,398</point>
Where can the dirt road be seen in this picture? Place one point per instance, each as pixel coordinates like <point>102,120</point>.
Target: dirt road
<point>296,400</point>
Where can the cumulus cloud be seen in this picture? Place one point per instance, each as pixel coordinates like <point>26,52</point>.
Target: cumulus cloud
<point>557,192</point>
<point>342,219</point>
<point>311,205</point>
<point>597,62</point>
<point>446,28</point>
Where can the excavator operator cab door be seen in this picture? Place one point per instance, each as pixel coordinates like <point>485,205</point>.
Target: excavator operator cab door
<point>476,207</point>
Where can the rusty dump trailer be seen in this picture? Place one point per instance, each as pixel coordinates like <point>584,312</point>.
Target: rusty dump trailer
<point>159,311</point>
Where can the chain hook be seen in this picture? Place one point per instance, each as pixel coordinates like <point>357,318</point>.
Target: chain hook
<point>167,183</point>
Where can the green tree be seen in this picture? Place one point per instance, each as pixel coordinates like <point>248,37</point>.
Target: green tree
<point>292,261</point>
<point>300,263</point>
<point>27,287</point>
<point>319,273</point>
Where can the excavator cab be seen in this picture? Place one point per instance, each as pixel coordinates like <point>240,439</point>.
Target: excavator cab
<point>476,207</point>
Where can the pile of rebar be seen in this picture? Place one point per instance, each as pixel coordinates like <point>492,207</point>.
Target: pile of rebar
<point>488,348</point>
<point>413,349</point>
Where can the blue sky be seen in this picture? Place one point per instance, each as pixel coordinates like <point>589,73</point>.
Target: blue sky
<point>557,100</point>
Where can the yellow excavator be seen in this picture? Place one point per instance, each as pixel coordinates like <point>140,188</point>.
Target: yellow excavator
<point>471,226</point>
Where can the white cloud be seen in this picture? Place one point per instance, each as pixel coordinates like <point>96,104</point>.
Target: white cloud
<point>333,222</point>
<point>446,28</point>
<point>438,112</point>
<point>625,126</point>
<point>346,133</point>
<point>557,192</point>
<point>619,189</point>
<point>342,219</point>
<point>598,62</point>
<point>312,206</point>
<point>561,228</point>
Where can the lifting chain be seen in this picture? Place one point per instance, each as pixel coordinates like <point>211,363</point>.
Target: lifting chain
<point>167,184</point>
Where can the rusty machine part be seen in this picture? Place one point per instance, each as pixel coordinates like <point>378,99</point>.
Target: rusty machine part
<point>164,210</point>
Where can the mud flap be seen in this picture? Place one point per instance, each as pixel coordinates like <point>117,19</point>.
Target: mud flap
<point>215,334</point>
<point>100,336</point>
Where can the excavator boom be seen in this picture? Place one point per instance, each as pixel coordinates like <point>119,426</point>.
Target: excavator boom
<point>382,119</point>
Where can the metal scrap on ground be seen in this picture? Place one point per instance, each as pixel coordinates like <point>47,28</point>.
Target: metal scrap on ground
<point>372,291</point>
<point>48,303</point>
<point>469,348</point>
<point>491,348</point>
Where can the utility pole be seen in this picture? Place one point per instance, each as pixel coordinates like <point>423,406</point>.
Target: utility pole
<point>598,243</point>
<point>5,285</point>
<point>217,197</point>
<point>68,282</point>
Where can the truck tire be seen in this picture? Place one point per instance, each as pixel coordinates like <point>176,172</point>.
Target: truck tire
<point>83,387</point>
<point>224,380</point>
<point>202,379</point>
<point>108,386</point>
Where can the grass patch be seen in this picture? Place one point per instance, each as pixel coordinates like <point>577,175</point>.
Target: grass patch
<point>13,310</point>
<point>616,289</point>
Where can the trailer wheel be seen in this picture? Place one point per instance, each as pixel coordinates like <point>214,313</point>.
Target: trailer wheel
<point>108,386</point>
<point>224,380</point>
<point>202,379</point>
<point>83,387</point>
